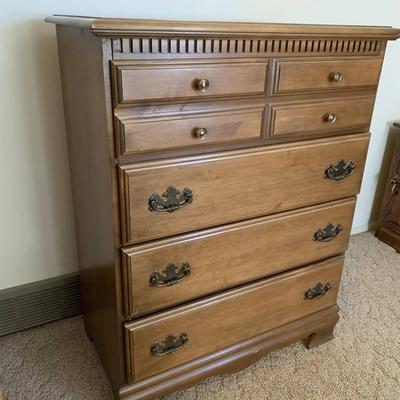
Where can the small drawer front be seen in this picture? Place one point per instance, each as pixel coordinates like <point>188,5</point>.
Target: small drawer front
<point>163,133</point>
<point>174,271</point>
<point>183,334</point>
<point>154,81</point>
<point>323,117</point>
<point>170,197</point>
<point>295,76</point>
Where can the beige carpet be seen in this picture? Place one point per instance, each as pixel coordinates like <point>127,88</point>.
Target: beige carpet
<point>57,361</point>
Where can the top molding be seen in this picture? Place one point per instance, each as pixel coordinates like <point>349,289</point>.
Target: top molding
<point>112,27</point>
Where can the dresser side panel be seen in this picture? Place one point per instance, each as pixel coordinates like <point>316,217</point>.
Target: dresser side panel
<point>87,107</point>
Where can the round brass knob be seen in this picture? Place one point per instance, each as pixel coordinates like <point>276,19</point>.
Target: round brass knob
<point>330,118</point>
<point>335,76</point>
<point>203,84</point>
<point>200,133</point>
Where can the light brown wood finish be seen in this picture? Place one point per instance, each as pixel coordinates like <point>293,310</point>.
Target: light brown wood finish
<point>153,66</point>
<point>88,120</point>
<point>134,27</point>
<point>232,358</point>
<point>163,133</point>
<point>231,317</point>
<point>295,76</point>
<point>310,117</point>
<point>238,185</point>
<point>225,257</point>
<point>156,81</point>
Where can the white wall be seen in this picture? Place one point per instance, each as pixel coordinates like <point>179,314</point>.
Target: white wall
<point>36,218</point>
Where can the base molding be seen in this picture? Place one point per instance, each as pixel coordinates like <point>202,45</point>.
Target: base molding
<point>33,304</point>
<point>314,329</point>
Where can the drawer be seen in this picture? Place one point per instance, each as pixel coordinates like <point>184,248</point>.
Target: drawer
<point>173,132</point>
<point>211,324</point>
<point>292,120</point>
<point>295,75</point>
<point>168,197</point>
<point>170,272</point>
<point>188,79</point>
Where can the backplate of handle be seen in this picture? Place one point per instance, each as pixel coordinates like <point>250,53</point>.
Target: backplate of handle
<point>316,292</point>
<point>328,233</point>
<point>169,345</point>
<point>170,275</point>
<point>340,170</point>
<point>171,200</point>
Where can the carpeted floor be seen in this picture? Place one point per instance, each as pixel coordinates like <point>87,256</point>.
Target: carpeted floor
<point>57,361</point>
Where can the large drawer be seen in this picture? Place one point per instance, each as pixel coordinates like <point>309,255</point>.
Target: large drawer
<point>212,324</point>
<point>296,75</point>
<point>236,185</point>
<point>188,79</point>
<point>310,118</point>
<point>173,271</point>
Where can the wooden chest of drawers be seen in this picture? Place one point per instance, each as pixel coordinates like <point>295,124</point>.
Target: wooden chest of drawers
<point>214,172</point>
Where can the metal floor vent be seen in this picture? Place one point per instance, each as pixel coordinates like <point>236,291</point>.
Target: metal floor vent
<point>40,302</point>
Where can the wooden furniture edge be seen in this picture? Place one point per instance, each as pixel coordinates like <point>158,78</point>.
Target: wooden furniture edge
<point>120,26</point>
<point>315,329</point>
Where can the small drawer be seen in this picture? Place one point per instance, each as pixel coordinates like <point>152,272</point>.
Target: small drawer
<point>188,79</point>
<point>171,272</point>
<point>169,339</point>
<point>174,132</point>
<point>168,197</point>
<point>296,76</point>
<point>309,119</point>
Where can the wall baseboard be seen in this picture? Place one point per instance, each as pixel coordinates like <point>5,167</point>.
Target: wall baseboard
<point>37,303</point>
<point>364,228</point>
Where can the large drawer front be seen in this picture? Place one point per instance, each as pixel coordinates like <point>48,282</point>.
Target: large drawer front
<point>236,185</point>
<point>166,133</point>
<point>190,79</point>
<point>212,324</point>
<point>326,117</point>
<point>294,75</point>
<point>170,272</point>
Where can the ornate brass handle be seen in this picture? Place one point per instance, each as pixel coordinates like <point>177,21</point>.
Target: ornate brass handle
<point>200,133</point>
<point>340,170</point>
<point>335,76</point>
<point>171,200</point>
<point>169,345</point>
<point>328,233</point>
<point>330,117</point>
<point>317,291</point>
<point>202,84</point>
<point>170,275</point>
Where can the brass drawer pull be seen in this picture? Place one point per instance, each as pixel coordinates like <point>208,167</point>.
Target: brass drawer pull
<point>335,77</point>
<point>330,118</point>
<point>200,133</point>
<point>169,345</point>
<point>328,233</point>
<point>171,200</point>
<point>202,84</point>
<point>170,275</point>
<point>340,170</point>
<point>317,291</point>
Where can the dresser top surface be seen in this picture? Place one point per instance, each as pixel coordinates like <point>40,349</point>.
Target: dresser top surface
<point>120,26</point>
